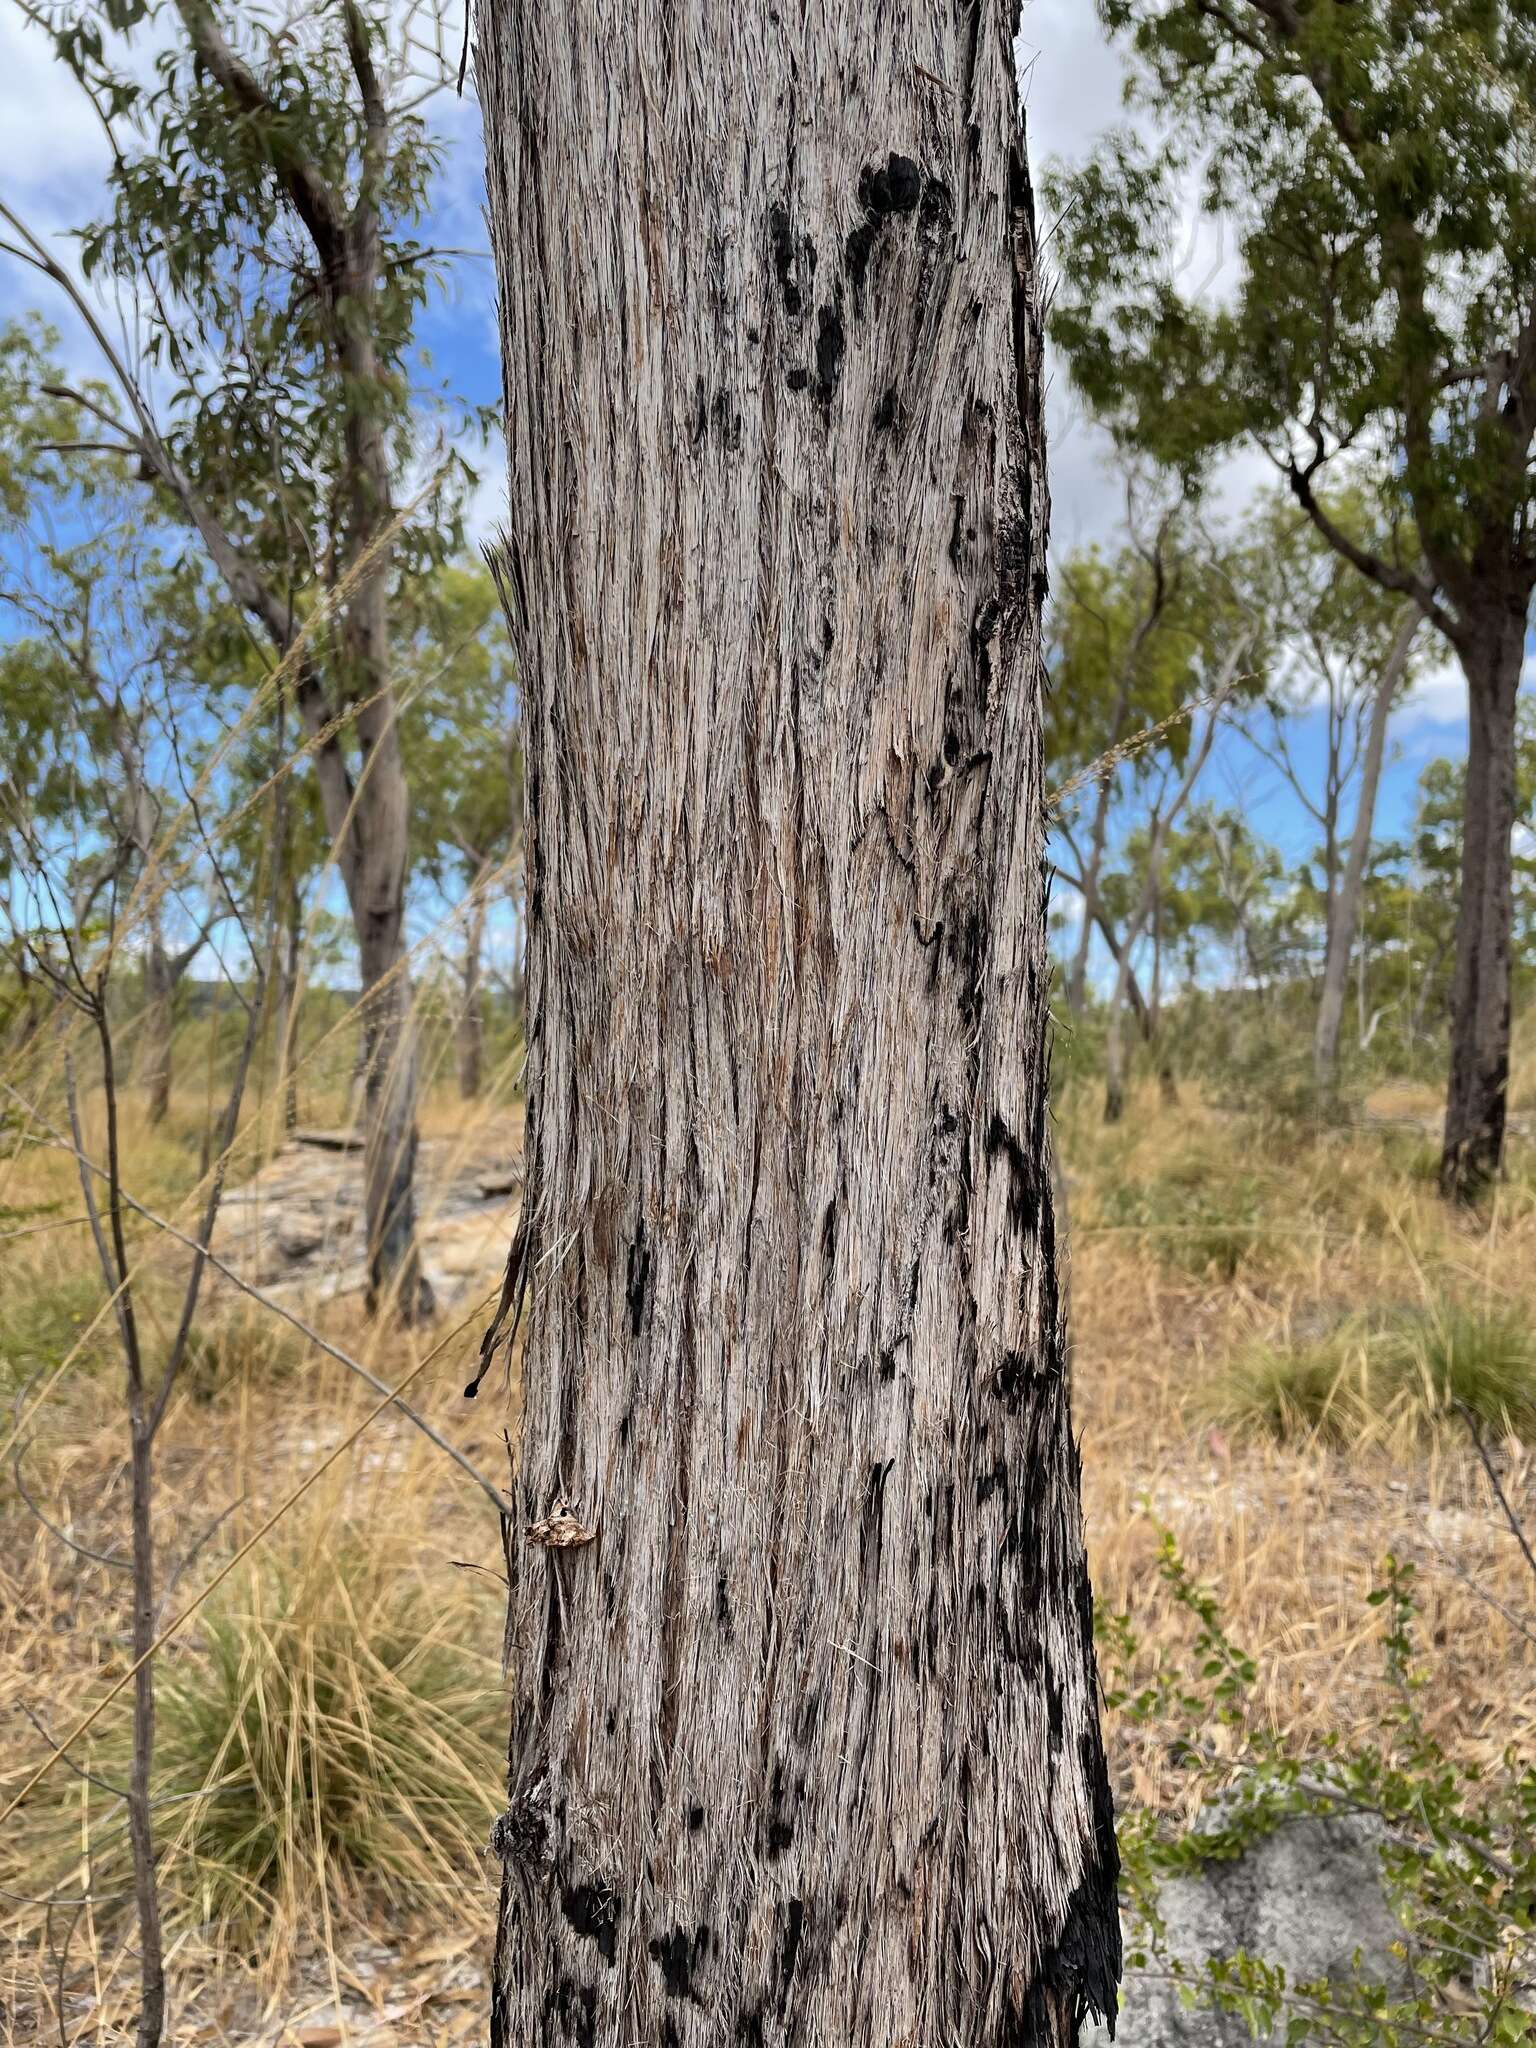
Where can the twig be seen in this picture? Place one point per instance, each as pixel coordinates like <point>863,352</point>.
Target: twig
<point>1517,1527</point>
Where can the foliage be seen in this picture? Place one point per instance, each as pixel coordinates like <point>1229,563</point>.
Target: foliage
<point>1374,165</point>
<point>1200,1223</point>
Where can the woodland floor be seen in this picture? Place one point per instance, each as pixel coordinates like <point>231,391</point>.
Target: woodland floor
<point>1291,1535</point>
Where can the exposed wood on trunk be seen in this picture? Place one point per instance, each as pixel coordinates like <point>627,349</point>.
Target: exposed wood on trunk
<point>1345,901</point>
<point>804,1743</point>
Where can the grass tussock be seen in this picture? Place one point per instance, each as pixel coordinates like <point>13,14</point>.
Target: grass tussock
<point>330,1743</point>
<point>1388,1378</point>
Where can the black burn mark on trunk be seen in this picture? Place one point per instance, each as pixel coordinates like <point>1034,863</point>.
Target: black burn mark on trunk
<point>792,256</point>
<point>831,346</point>
<point>789,1949</point>
<point>1023,1178</point>
<point>637,1277</point>
<point>896,189</point>
<point>570,2014</point>
<point>1080,1971</point>
<point>678,1955</point>
<point>593,1915</point>
<point>872,1519</point>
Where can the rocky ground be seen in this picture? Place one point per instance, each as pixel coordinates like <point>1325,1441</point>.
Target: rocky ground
<point>296,1230</point>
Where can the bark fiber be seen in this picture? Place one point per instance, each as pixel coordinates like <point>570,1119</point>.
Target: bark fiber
<point>804,1739</point>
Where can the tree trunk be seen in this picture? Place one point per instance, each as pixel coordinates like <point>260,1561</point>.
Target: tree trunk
<point>804,1737</point>
<point>470,1035</point>
<point>1114,1056</point>
<point>1168,1087</point>
<point>1345,901</point>
<point>158,1026</point>
<point>1476,1101</point>
<point>381,804</point>
<point>288,1010</point>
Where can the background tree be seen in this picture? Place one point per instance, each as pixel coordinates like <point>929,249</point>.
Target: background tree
<point>108,650</point>
<point>1343,658</point>
<point>804,1740</point>
<point>264,194</point>
<point>461,738</point>
<point>1372,165</point>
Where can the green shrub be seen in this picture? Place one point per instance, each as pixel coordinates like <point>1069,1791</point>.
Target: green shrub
<point>1458,1843</point>
<point>42,1315</point>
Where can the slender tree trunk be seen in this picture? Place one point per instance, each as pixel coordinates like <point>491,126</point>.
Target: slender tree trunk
<point>1114,1054</point>
<point>1345,901</point>
<point>381,828</point>
<point>804,1735</point>
<point>1168,1087</point>
<point>470,1035</point>
<point>158,1026</point>
<point>1157,844</point>
<point>1476,1101</point>
<point>288,1008</point>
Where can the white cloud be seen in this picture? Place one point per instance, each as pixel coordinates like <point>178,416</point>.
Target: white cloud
<point>1439,697</point>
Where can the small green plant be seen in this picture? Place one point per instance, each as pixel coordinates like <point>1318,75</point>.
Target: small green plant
<point>1396,1375</point>
<point>1458,1844</point>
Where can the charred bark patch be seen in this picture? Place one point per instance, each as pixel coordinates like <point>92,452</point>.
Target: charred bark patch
<point>593,1915</point>
<point>883,192</point>
<point>570,2014</point>
<point>1011,1379</point>
<point>831,346</point>
<point>789,1948</point>
<point>677,1955</point>
<point>637,1276</point>
<point>790,253</point>
<point>1023,1182</point>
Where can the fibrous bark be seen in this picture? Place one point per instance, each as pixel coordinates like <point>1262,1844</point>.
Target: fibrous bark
<point>804,1737</point>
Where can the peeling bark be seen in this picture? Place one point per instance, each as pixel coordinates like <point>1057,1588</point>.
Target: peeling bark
<point>804,1733</point>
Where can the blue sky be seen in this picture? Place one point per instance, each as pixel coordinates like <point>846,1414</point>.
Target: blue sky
<point>51,161</point>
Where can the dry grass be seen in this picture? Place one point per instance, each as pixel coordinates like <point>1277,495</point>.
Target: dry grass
<point>1197,1239</point>
<point>1292,1532</point>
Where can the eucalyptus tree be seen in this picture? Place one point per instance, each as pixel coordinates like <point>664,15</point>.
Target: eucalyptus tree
<point>108,644</point>
<point>1345,658</point>
<point>458,685</point>
<point>1371,164</point>
<point>266,192</point>
<point>805,1744</point>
